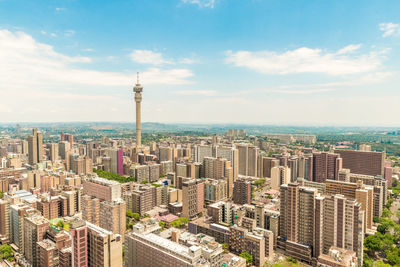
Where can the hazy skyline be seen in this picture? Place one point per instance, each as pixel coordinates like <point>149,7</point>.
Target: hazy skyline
<point>212,61</point>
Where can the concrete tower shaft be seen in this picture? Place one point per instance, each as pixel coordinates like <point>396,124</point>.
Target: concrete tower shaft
<point>138,89</point>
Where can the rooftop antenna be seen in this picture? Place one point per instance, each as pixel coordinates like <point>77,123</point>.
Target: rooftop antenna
<point>137,73</point>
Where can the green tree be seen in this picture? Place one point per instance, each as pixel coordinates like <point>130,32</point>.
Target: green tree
<point>129,213</point>
<point>225,247</point>
<point>136,216</point>
<point>373,243</point>
<point>392,256</point>
<point>144,182</point>
<point>381,264</point>
<point>376,219</point>
<point>6,253</point>
<point>1,195</point>
<point>247,257</point>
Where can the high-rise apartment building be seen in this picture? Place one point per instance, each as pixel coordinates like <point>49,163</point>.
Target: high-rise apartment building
<point>202,151</point>
<point>103,189</point>
<point>148,249</point>
<point>192,197</point>
<point>35,228</point>
<point>232,155</point>
<point>4,220</point>
<point>248,156</point>
<point>52,151</point>
<point>326,166</point>
<point>242,191</point>
<point>78,231</point>
<point>47,254</point>
<point>280,175</point>
<point>113,217</point>
<point>104,249</point>
<point>363,162</point>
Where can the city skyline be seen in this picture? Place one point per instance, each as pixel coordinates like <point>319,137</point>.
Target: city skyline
<point>255,62</point>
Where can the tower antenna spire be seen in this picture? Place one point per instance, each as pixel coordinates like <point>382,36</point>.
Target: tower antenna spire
<point>137,73</point>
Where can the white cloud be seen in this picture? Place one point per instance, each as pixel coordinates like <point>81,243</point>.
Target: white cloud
<point>349,49</point>
<point>58,9</point>
<point>148,57</point>
<point>390,29</point>
<point>53,34</point>
<point>307,60</point>
<point>26,63</point>
<point>201,3</point>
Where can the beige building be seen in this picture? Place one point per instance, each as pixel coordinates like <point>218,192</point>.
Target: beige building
<point>279,175</point>
<point>104,247</point>
<point>35,228</point>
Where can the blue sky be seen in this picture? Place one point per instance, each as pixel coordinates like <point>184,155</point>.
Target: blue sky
<point>206,61</point>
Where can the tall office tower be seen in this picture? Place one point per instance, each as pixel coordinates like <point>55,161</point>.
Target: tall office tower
<point>138,89</point>
<point>103,189</point>
<point>231,154</point>
<point>326,166</point>
<point>104,247</point>
<point>248,160</point>
<point>35,147</point>
<point>67,137</point>
<point>362,162</point>
<point>35,228</point>
<point>63,149</point>
<point>279,176</point>
<point>113,217</point>
<point>91,209</point>
<point>242,191</point>
<point>4,220</point>
<point>202,151</point>
<point>53,151</point>
<point>116,156</point>
<point>365,196</point>
<point>339,222</point>
<point>78,231</point>
<point>192,197</point>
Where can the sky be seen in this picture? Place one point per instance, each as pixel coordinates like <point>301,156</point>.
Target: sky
<point>279,62</point>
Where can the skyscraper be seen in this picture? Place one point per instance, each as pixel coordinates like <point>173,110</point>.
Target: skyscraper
<point>35,147</point>
<point>138,99</point>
